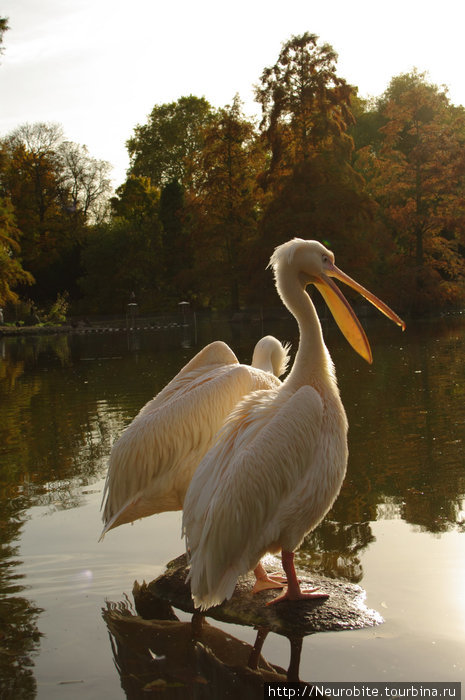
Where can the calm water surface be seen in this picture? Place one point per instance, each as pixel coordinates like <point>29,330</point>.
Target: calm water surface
<point>397,528</point>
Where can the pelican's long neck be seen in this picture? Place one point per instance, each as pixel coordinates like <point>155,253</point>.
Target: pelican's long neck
<point>312,358</point>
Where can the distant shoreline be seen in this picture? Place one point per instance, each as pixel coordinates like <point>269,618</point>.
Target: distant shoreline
<point>9,331</point>
<point>34,330</point>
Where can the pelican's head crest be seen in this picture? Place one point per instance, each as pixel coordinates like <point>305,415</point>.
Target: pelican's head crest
<point>285,252</point>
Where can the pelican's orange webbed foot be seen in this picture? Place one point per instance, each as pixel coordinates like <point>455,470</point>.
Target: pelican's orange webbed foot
<point>308,594</point>
<point>265,581</point>
<point>277,576</point>
<point>293,591</point>
<point>266,584</point>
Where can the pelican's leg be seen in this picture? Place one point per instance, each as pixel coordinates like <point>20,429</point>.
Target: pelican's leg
<point>293,591</point>
<point>263,581</point>
<point>197,624</point>
<point>254,657</point>
<point>294,663</point>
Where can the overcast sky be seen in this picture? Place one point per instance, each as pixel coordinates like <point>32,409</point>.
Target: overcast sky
<point>97,67</point>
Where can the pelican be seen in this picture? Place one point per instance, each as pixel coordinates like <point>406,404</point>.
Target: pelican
<point>152,463</point>
<point>281,457</point>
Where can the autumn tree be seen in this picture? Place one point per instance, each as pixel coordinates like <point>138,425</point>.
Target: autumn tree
<point>224,204</point>
<point>311,187</point>
<point>305,104</point>
<point>416,174</point>
<point>56,188</point>
<point>11,271</point>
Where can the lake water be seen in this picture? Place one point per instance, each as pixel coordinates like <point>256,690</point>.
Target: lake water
<point>397,528</point>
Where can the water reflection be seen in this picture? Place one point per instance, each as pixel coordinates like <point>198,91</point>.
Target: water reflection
<point>65,399</point>
<point>190,659</point>
<point>19,634</point>
<point>407,427</point>
<point>334,549</point>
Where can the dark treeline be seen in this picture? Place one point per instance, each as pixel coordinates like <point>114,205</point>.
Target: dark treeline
<point>209,194</point>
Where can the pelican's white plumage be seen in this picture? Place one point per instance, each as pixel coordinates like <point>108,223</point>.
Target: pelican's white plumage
<point>281,457</point>
<point>152,463</point>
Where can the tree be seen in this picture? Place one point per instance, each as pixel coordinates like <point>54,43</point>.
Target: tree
<point>11,271</point>
<point>56,188</point>
<point>85,183</point>
<point>120,263</point>
<point>123,257</point>
<point>416,173</point>
<point>311,187</point>
<point>224,204</point>
<point>137,201</point>
<point>305,104</point>
<point>3,28</point>
<point>165,149</point>
<point>177,243</point>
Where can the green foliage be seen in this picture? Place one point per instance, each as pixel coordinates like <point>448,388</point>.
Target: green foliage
<point>165,149</point>
<point>136,201</point>
<point>58,311</point>
<point>366,131</point>
<point>121,260</point>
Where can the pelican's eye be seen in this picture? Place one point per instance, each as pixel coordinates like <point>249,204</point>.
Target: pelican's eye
<point>326,260</point>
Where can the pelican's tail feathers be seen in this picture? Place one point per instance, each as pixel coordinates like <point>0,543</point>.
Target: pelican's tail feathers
<point>207,596</point>
<point>112,522</point>
<point>126,514</point>
<point>213,578</point>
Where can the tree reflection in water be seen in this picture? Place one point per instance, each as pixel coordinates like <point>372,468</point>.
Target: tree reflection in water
<point>19,634</point>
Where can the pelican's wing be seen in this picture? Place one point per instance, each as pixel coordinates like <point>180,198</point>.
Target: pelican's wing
<point>214,355</point>
<point>152,463</point>
<point>239,499</point>
<point>126,469</point>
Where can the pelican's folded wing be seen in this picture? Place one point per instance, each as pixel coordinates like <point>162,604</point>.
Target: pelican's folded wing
<point>152,463</point>
<point>240,499</point>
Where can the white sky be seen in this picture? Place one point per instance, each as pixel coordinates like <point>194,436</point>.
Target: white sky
<point>97,67</point>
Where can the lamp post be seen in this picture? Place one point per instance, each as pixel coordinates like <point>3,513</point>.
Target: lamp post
<point>131,313</point>
<point>184,306</point>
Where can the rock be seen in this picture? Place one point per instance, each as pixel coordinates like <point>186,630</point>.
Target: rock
<point>344,609</point>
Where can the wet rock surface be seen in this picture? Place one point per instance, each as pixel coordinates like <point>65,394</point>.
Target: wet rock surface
<point>344,609</point>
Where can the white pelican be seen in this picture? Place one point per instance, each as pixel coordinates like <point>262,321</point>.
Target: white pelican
<point>152,463</point>
<point>281,457</point>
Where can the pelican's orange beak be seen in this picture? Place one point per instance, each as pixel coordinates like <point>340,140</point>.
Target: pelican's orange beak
<point>343,312</point>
